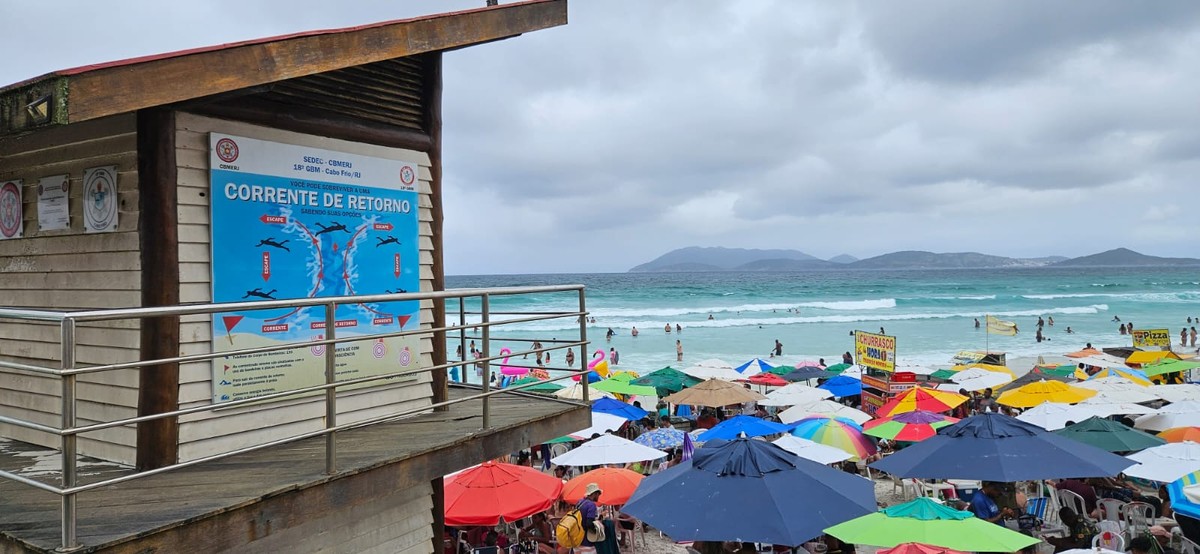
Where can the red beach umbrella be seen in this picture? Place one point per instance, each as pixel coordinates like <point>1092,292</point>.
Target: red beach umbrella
<point>908,426</point>
<point>491,492</point>
<point>768,379</point>
<point>921,398</point>
<point>917,548</point>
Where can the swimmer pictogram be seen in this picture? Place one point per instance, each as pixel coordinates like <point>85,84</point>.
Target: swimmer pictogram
<point>260,294</point>
<point>335,227</point>
<point>389,240</point>
<point>270,241</point>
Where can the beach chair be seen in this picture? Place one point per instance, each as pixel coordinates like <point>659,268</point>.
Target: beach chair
<point>1039,507</point>
<point>1109,540</point>
<point>1075,502</point>
<point>905,485</point>
<point>1111,509</point>
<point>1139,516</point>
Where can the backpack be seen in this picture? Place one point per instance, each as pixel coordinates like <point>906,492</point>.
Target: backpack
<point>569,530</point>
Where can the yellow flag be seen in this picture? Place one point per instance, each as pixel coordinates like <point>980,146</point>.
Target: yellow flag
<point>1000,327</point>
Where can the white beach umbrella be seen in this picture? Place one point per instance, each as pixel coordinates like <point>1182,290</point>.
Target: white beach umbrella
<point>1112,392</point>
<point>854,371</point>
<point>1055,415</point>
<point>1176,393</point>
<point>601,424</point>
<point>575,392</point>
<point>978,379</point>
<point>713,369</point>
<point>1117,408</point>
<point>1102,360</point>
<point>1112,382</point>
<point>824,407</point>
<point>794,394</point>
<point>916,369</point>
<point>608,449</point>
<point>1165,463</point>
<point>810,450</point>
<point>1179,414</point>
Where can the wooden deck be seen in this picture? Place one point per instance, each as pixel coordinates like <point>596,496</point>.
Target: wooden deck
<point>395,455</point>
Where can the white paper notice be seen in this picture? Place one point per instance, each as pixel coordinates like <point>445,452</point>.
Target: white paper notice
<point>53,213</point>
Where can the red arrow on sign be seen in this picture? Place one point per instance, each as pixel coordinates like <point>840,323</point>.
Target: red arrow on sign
<point>396,266</point>
<point>383,227</point>
<point>273,219</point>
<point>403,319</point>
<point>266,266</point>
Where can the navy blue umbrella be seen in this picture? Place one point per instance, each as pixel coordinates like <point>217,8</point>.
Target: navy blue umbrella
<point>995,447</point>
<point>807,372</point>
<point>752,426</point>
<point>749,491</point>
<point>842,386</point>
<point>616,407</point>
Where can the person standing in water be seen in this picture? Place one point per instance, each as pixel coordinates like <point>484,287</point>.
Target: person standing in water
<point>678,351</point>
<point>778,349</point>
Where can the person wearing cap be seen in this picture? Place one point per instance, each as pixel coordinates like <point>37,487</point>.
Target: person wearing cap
<point>588,510</point>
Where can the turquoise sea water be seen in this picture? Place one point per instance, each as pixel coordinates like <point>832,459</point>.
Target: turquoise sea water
<point>931,312</point>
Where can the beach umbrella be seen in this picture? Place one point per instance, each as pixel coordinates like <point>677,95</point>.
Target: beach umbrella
<point>1185,495</point>
<point>924,520</point>
<point>917,548</point>
<point>978,379</point>
<point>1178,414</point>
<point>1033,377</point>
<point>908,426</point>
<point>767,379</point>
<point>714,393</point>
<point>1165,463</point>
<point>805,373</point>
<point>1084,353</point>
<point>838,433</point>
<point>943,374</point>
<point>1119,395</point>
<point>921,398</point>
<point>1105,407</point>
<point>575,392</point>
<point>823,408</point>
<point>601,424</point>
<point>1101,360</point>
<point>1176,393</point>
<point>1181,434</point>
<point>842,386</point>
<point>1052,415</point>
<point>688,449</point>
<point>607,449</point>
<point>667,380</point>
<point>616,485</point>
<point>853,371</point>
<point>661,438</point>
<point>1169,365</point>
<point>915,369</point>
<point>1109,435</point>
<point>493,492</point>
<point>742,425</point>
<point>541,387</point>
<point>618,408</point>
<point>794,394</point>
<point>1064,371</point>
<point>810,450</point>
<point>809,363</point>
<point>625,387</point>
<point>1132,375</point>
<point>724,373</point>
<point>747,490</point>
<point>996,447</point>
<point>1033,394</point>
<point>1143,357</point>
<point>986,367</point>
<point>754,367</point>
<point>838,368</point>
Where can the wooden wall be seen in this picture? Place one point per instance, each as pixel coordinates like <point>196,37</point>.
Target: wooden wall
<point>72,269</point>
<point>209,433</point>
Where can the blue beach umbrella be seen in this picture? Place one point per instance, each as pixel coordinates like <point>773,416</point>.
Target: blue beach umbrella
<point>754,367</point>
<point>842,386</point>
<point>752,426</point>
<point>996,447</point>
<point>616,407</point>
<point>746,490</point>
<point>1183,502</point>
<point>661,438</point>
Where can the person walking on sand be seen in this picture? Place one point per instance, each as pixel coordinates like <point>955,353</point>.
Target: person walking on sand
<point>678,351</point>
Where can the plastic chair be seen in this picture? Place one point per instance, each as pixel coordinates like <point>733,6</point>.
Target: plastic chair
<point>1109,540</point>
<point>1111,509</point>
<point>1139,516</point>
<point>1037,506</point>
<point>1075,503</point>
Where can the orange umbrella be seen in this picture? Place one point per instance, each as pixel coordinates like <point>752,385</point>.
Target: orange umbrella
<point>1084,353</point>
<point>1181,434</point>
<point>917,548</point>
<point>921,398</point>
<point>616,485</point>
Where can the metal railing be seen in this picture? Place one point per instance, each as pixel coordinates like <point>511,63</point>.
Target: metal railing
<point>68,371</point>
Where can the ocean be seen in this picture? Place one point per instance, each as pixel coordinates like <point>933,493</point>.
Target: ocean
<point>930,312</point>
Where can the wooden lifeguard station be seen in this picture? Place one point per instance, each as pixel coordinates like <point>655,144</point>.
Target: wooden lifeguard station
<point>197,251</point>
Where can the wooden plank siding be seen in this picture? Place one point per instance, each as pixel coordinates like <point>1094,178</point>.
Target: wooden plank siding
<point>212,432</point>
<point>68,269</point>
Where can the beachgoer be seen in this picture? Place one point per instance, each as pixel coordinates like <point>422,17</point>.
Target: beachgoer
<point>1050,320</point>
<point>540,532</point>
<point>1183,337</point>
<point>984,506</point>
<point>609,335</point>
<point>710,317</point>
<point>706,420</point>
<point>1121,329</point>
<point>1038,335</point>
<point>778,348</point>
<point>1142,545</point>
<point>614,357</point>
<point>847,358</point>
<point>667,328</point>
<point>976,323</point>
<point>986,403</point>
<point>570,358</point>
<point>634,332</point>
<point>1116,319</point>
<point>678,351</point>
<point>1079,531</point>
<point>1040,322</point>
<point>1069,331</point>
<point>821,362</point>
<point>881,331</point>
<point>1193,334</point>
<point>678,328</point>
<point>588,512</point>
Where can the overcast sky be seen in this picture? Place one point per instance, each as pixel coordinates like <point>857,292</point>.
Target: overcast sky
<point>1014,128</point>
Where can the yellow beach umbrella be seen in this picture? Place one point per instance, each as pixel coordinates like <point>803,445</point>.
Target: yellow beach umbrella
<point>1033,394</point>
<point>1128,374</point>
<point>1142,357</point>
<point>921,398</point>
<point>986,367</point>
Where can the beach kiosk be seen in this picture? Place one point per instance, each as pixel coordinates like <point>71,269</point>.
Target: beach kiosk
<point>223,314</point>
<point>876,354</point>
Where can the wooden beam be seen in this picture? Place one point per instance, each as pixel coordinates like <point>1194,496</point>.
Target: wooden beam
<point>158,231</point>
<point>125,87</point>
<point>433,122</point>
<point>259,112</point>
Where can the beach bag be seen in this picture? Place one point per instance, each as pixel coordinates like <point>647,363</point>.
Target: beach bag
<point>596,535</point>
<point>569,530</point>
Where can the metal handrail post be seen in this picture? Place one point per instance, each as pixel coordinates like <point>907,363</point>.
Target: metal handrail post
<point>330,393</point>
<point>68,508</point>
<point>583,377</point>
<point>462,339</point>
<point>485,319</point>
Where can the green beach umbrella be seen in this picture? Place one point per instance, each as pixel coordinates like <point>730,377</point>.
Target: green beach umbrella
<point>925,521</point>
<point>1109,435</point>
<point>626,387</point>
<point>838,368</point>
<point>943,374</point>
<point>1168,366</point>
<point>543,387</point>
<point>667,381</point>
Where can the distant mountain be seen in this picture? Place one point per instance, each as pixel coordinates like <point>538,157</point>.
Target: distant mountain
<point>917,259</point>
<point>1045,260</point>
<point>844,259</point>
<point>1124,257</point>
<point>696,258</point>
<point>782,264</point>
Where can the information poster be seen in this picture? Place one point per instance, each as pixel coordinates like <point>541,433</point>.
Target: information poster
<point>11,210</point>
<point>875,351</point>
<point>1151,337</point>
<point>100,199</point>
<point>53,212</point>
<point>295,222</point>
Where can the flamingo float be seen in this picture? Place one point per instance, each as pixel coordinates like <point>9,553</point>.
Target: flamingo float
<point>598,367</point>
<point>506,369</point>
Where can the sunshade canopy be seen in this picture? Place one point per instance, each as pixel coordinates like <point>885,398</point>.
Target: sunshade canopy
<point>607,449</point>
<point>715,393</point>
<point>925,521</point>
<point>492,492</point>
<point>1110,435</point>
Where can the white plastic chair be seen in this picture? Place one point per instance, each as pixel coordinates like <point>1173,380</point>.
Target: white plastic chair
<point>1111,509</point>
<point>1109,540</point>
<point>1074,502</point>
<point>1139,516</point>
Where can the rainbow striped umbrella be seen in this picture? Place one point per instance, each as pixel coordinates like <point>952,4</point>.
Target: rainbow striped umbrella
<point>921,398</point>
<point>836,432</point>
<point>909,426</point>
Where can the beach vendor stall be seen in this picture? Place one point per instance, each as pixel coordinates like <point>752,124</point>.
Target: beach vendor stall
<point>876,354</point>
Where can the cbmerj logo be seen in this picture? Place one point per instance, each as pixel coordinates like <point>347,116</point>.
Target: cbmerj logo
<point>227,150</point>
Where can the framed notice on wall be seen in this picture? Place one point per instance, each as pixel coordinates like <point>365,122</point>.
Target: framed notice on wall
<point>53,211</point>
<point>100,199</point>
<point>294,222</point>
<point>12,211</point>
